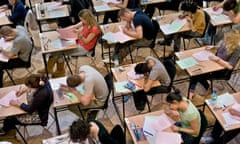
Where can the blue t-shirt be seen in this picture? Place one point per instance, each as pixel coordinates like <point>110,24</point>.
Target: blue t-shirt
<point>141,19</point>
<point>18,13</point>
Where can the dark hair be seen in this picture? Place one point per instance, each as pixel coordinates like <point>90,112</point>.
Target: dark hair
<point>174,96</point>
<point>73,80</point>
<point>189,6</point>
<point>141,68</point>
<point>35,81</point>
<point>79,130</point>
<point>229,5</point>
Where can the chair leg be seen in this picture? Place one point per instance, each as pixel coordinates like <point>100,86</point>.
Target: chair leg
<point>11,78</point>
<point>148,104</point>
<point>76,63</point>
<point>184,44</point>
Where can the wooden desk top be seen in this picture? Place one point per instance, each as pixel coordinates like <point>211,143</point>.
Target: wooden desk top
<point>209,10</point>
<point>167,19</point>
<point>50,42</point>
<point>138,120</point>
<point>218,114</point>
<point>11,110</point>
<point>4,19</point>
<point>51,14</point>
<point>146,2</point>
<point>104,6</point>
<point>204,66</point>
<point>64,139</point>
<point>122,76</point>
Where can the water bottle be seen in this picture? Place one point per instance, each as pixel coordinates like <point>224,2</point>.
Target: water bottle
<point>42,10</point>
<point>134,129</point>
<point>116,61</point>
<point>213,100</point>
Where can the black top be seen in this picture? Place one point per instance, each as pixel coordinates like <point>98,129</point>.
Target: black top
<point>132,4</point>
<point>141,19</point>
<point>41,102</point>
<point>103,135</point>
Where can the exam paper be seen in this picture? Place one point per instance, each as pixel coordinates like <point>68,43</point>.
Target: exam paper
<point>229,120</point>
<point>202,55</point>
<point>187,62</point>
<point>174,27</point>
<point>5,101</point>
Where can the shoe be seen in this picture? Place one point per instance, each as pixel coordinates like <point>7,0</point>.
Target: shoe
<point>126,98</point>
<point>2,132</point>
<point>207,140</point>
<point>165,42</point>
<point>191,95</point>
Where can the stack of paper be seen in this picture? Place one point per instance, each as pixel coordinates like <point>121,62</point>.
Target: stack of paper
<point>117,37</point>
<point>229,120</point>
<point>112,1</point>
<point>211,11</point>
<point>168,138</point>
<point>187,62</point>
<point>174,27</point>
<point>54,6</point>
<point>226,99</point>
<point>221,19</point>
<point>67,34</point>
<point>132,75</point>
<point>202,55</point>
<point>5,101</point>
<point>55,83</point>
<point>102,7</point>
<point>57,13</point>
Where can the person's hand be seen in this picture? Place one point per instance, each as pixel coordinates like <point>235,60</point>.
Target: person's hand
<point>125,30</point>
<point>214,58</point>
<point>73,20</point>
<point>233,111</point>
<point>15,103</point>
<point>111,4</point>
<point>174,128</point>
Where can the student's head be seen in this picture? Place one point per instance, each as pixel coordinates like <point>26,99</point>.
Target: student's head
<point>13,2</point>
<point>232,40</point>
<point>7,33</point>
<point>74,80</point>
<point>125,14</point>
<point>79,130</point>
<point>141,68</point>
<point>189,6</point>
<point>35,81</point>
<point>174,99</point>
<point>229,5</point>
<point>87,17</point>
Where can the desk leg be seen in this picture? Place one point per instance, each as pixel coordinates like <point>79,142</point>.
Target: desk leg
<point>39,24</point>
<point>67,63</point>
<point>45,64</point>
<point>124,124</point>
<point>57,123</point>
<point>129,49</point>
<point>24,140</point>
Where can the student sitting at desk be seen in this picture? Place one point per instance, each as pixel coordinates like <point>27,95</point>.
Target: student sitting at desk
<point>18,11</point>
<point>190,120</point>
<point>216,138</point>
<point>88,32</point>
<point>20,51</point>
<point>113,15</point>
<point>143,30</point>
<point>38,103</point>
<point>195,17</point>
<point>156,71</point>
<point>94,131</point>
<point>89,87</point>
<point>227,55</point>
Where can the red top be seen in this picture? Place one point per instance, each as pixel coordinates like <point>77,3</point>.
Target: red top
<point>85,32</point>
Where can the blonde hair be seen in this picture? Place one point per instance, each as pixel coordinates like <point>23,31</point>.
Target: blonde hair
<point>6,30</point>
<point>232,39</point>
<point>88,17</point>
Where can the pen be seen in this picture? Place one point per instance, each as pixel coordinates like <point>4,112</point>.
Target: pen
<point>148,133</point>
<point>143,134</point>
<point>196,70</point>
<point>225,107</point>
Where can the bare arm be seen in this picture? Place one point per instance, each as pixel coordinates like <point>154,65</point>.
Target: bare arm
<point>222,62</point>
<point>148,85</point>
<point>76,26</point>
<point>88,38</point>
<point>194,130</point>
<point>137,33</point>
<point>84,99</point>
<point>8,54</point>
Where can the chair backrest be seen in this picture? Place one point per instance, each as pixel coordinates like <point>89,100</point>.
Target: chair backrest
<point>109,81</point>
<point>156,29</point>
<point>171,69</point>
<point>204,124</point>
<point>207,21</point>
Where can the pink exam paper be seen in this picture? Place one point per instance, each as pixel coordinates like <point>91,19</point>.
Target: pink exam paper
<point>67,34</point>
<point>168,138</point>
<point>5,101</point>
<point>132,75</point>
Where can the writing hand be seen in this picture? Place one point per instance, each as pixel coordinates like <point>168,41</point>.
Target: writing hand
<point>214,58</point>
<point>174,128</point>
<point>111,4</point>
<point>15,103</point>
